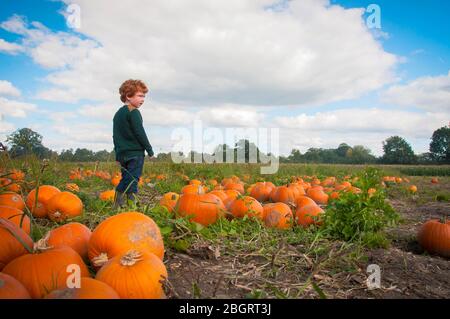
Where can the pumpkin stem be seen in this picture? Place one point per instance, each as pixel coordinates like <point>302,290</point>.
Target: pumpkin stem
<point>130,258</point>
<point>100,260</point>
<point>42,244</point>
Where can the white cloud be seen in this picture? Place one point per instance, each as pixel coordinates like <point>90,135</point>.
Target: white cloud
<point>427,93</point>
<point>7,88</point>
<point>368,127</point>
<point>8,47</point>
<point>15,108</point>
<point>202,52</point>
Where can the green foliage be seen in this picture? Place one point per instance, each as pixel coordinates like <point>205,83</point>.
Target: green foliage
<point>397,151</point>
<point>440,145</point>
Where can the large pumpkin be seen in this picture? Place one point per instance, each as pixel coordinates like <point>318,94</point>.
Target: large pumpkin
<point>18,217</point>
<point>246,206</point>
<point>238,186</point>
<point>12,200</point>
<point>122,232</point>
<point>434,237</point>
<point>308,214</point>
<point>278,215</point>
<point>135,275</point>
<point>14,242</point>
<point>45,193</point>
<point>64,205</point>
<point>46,269</point>
<point>285,194</point>
<point>74,235</point>
<point>11,288</point>
<point>318,195</point>
<point>204,209</point>
<point>89,289</point>
<point>261,191</point>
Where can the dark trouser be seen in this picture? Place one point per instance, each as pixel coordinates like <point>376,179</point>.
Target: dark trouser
<point>131,172</point>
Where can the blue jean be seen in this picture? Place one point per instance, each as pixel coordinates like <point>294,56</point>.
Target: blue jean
<point>131,170</point>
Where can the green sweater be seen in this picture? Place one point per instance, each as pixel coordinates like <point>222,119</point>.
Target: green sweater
<point>129,135</point>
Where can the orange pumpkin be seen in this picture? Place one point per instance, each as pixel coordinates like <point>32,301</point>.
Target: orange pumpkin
<point>89,289</point>
<point>169,200</point>
<point>107,195</point>
<point>318,195</point>
<point>413,189</point>
<point>18,217</point>
<point>135,275</point>
<point>12,200</point>
<point>74,235</point>
<point>246,206</point>
<point>14,242</point>
<point>235,186</point>
<point>16,175</point>
<point>434,237</point>
<point>193,189</point>
<point>261,191</point>
<point>204,209</point>
<point>435,180</point>
<point>285,194</point>
<point>303,201</point>
<point>46,269</point>
<point>219,193</point>
<point>334,195</point>
<point>278,215</point>
<point>45,193</point>
<point>116,179</point>
<point>195,182</point>
<point>64,205</point>
<point>11,288</point>
<point>308,215</point>
<point>122,232</point>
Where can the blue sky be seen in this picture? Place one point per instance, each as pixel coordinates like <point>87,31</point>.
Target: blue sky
<point>415,34</point>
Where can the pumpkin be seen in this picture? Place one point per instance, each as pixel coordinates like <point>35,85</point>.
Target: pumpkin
<point>303,201</point>
<point>107,195</point>
<point>371,191</point>
<point>18,217</point>
<point>195,182</point>
<point>204,209</point>
<point>89,289</point>
<point>246,206</point>
<point>343,186</point>
<point>235,186</point>
<point>14,242</point>
<point>74,235</point>
<point>135,275</point>
<point>308,215</point>
<point>45,269</point>
<point>64,205</point>
<point>14,187</point>
<point>219,193</point>
<point>11,288</point>
<point>261,191</point>
<point>116,180</point>
<point>413,189</point>
<point>285,194</point>
<point>318,195</point>
<point>12,199</point>
<point>334,195</point>
<point>435,180</point>
<point>232,193</point>
<point>169,200</point>
<point>278,215</point>
<point>45,193</point>
<point>123,232</point>
<point>193,189</point>
<point>434,237</point>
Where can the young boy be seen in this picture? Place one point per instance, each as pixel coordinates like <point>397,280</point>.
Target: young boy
<point>130,140</point>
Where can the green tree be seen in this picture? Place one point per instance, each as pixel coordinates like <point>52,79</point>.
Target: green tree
<point>440,145</point>
<point>397,151</point>
<point>25,141</point>
<point>344,150</point>
<point>361,155</point>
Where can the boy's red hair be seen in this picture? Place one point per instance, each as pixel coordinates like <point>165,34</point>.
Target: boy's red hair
<point>130,87</point>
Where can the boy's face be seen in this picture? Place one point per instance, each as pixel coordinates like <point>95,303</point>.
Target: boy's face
<point>137,99</point>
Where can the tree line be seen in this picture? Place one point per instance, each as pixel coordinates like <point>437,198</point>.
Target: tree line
<point>396,150</point>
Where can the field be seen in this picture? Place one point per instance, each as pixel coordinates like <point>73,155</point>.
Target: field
<point>242,258</point>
